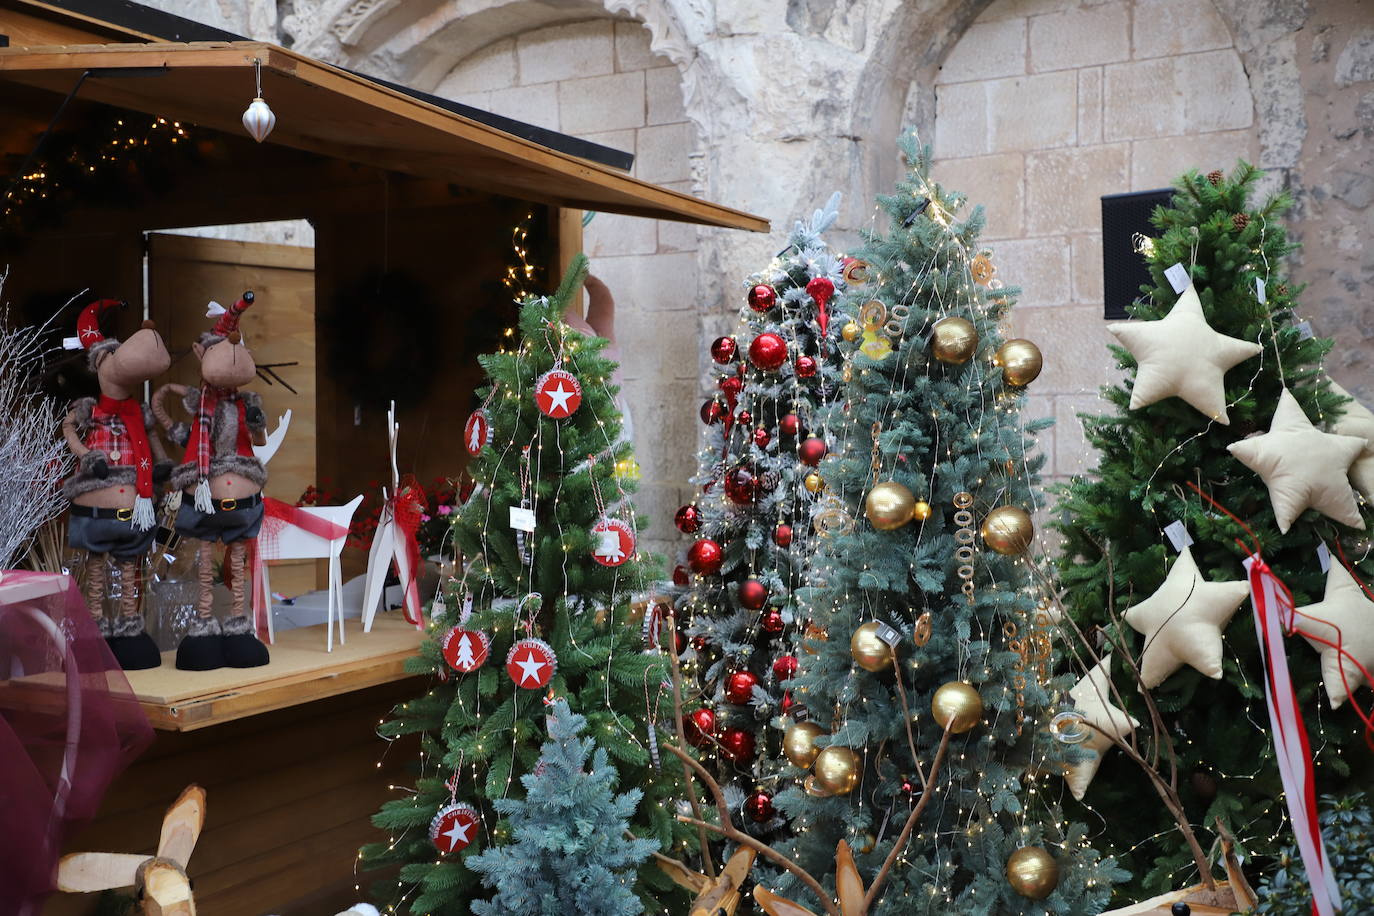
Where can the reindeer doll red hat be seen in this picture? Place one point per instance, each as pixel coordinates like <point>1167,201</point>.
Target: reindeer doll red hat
<point>88,334</point>
<point>228,319</point>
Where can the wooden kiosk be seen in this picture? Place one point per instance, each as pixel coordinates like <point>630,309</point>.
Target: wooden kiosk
<point>413,200</point>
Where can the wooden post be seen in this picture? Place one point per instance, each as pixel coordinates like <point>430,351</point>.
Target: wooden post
<point>567,243</point>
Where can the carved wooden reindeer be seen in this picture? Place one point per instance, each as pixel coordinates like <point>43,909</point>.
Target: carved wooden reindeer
<point>163,887</point>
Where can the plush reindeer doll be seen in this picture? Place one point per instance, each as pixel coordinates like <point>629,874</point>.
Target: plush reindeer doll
<point>222,483</point>
<point>118,461</point>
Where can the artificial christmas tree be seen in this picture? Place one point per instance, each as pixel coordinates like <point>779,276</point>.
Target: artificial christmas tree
<point>550,567</point>
<point>1145,502</point>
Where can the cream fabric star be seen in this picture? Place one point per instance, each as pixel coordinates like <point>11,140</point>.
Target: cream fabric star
<point>1345,606</point>
<point>1092,697</point>
<point>1359,422</point>
<point>1182,622</point>
<point>1181,355</point>
<point>1302,466</point>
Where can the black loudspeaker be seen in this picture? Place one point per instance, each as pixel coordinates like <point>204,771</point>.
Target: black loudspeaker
<point>1124,271</point>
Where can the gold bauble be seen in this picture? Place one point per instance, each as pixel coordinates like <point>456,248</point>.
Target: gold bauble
<point>870,652</point>
<point>847,374</point>
<point>814,788</point>
<point>889,505</point>
<point>920,510</point>
<point>851,331</point>
<point>957,707</point>
<point>799,743</point>
<point>1020,360</point>
<point>837,770</point>
<point>1008,530</point>
<point>1032,872</point>
<point>953,340</point>
<point>814,634</point>
<point>869,841</point>
<point>813,482</point>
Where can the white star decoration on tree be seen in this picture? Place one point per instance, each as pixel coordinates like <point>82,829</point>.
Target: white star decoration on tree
<point>1346,606</point>
<point>458,834</point>
<point>558,398</point>
<point>1182,622</point>
<point>530,666</point>
<point>1181,355</point>
<point>1092,697</point>
<point>1359,422</point>
<point>1302,466</point>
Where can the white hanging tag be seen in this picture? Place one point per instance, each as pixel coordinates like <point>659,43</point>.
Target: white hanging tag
<point>1305,331</point>
<point>467,608</point>
<point>1178,535</point>
<point>1178,278</point>
<point>888,635</point>
<point>1260,293</point>
<point>521,519</point>
<point>1324,556</point>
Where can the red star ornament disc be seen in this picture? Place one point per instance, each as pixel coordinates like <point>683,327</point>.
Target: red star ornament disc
<point>531,664</point>
<point>454,827</point>
<point>477,432</point>
<point>558,394</point>
<point>466,650</point>
<point>613,542</point>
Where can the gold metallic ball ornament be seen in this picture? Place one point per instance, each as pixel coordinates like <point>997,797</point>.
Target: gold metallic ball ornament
<point>851,331</point>
<point>814,788</point>
<point>870,653</point>
<point>957,706</point>
<point>889,505</point>
<point>1032,872</point>
<point>799,743</point>
<point>837,770</point>
<point>953,340</point>
<point>1021,361</point>
<point>1008,530</point>
<point>920,511</point>
<point>813,482</point>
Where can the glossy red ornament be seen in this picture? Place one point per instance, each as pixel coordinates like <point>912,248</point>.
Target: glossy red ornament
<point>782,535</point>
<point>821,289</point>
<point>699,643</point>
<point>741,486</point>
<point>679,643</point>
<point>680,576</point>
<point>784,667</point>
<point>805,366</point>
<point>762,438</point>
<point>811,451</point>
<point>753,594</point>
<point>908,787</point>
<point>772,623</point>
<point>762,297</point>
<point>688,519</point>
<point>699,726</point>
<point>790,424</point>
<point>724,349</point>
<point>768,351</point>
<point>744,418</point>
<point>759,807</point>
<point>712,411</point>
<point>737,745</point>
<point>731,385</point>
<point>739,687</point>
<point>704,557</point>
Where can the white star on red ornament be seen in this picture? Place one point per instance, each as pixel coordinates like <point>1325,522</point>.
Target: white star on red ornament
<point>530,666</point>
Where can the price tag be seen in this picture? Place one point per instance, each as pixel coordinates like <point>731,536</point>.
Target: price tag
<point>1178,535</point>
<point>1324,556</point>
<point>607,542</point>
<point>1260,292</point>
<point>799,713</point>
<point>1178,278</point>
<point>888,635</point>
<point>521,519</point>
<point>1305,331</point>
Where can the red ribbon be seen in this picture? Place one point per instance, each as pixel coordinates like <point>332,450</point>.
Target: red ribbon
<point>406,509</point>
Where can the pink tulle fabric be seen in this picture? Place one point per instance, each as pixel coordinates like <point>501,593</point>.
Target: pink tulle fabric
<point>69,723</point>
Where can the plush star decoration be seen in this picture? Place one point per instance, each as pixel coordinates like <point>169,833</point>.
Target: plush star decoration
<point>1181,355</point>
<point>1358,421</point>
<point>1346,606</point>
<point>1182,622</point>
<point>1092,697</point>
<point>1302,466</point>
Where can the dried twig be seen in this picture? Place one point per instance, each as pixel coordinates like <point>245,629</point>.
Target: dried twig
<point>707,865</point>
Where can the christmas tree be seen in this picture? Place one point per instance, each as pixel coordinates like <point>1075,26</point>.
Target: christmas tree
<point>570,852</point>
<point>544,600</point>
<point>927,641</point>
<point>752,517</point>
<point>1219,355</point>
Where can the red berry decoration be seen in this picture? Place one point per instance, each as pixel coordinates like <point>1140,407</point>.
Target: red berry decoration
<point>772,623</point>
<point>805,366</point>
<point>558,394</point>
<point>739,687</point>
<point>782,535</point>
<point>762,297</point>
<point>724,349</point>
<point>688,519</point>
<point>768,351</point>
<point>705,557</point>
<point>737,745</point>
<point>811,451</point>
<point>699,726</point>
<point>759,807</point>
<point>752,594</point>
<point>741,486</point>
<point>453,827</point>
<point>785,667</point>
<point>680,576</point>
<point>465,650</point>
<point>731,385</point>
<point>531,663</point>
<point>761,437</point>
<point>790,424</point>
<point>712,411</point>
<point>744,418</point>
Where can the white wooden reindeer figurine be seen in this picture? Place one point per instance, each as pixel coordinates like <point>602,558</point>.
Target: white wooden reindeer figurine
<point>389,546</point>
<point>163,888</point>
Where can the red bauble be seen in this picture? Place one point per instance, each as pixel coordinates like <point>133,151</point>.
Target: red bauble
<point>453,827</point>
<point>811,451</point>
<point>712,411</point>
<point>724,349</point>
<point>699,643</point>
<point>759,807</point>
<point>531,663</point>
<point>705,557</point>
<point>908,787</point>
<point>739,687</point>
<point>772,623</point>
<point>680,577</point>
<point>785,667</point>
<point>761,437</point>
<point>782,535</point>
<point>699,726</point>
<point>790,424</point>
<point>821,289</point>
<point>741,486</point>
<point>762,297</point>
<point>768,351</point>
<point>805,366</point>
<point>752,594</point>
<point>688,519</point>
<point>737,744</point>
<point>731,385</point>
<point>679,643</point>
<point>558,394</point>
<point>465,650</point>
<point>744,418</point>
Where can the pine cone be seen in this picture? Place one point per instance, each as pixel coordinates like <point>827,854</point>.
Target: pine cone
<point>1214,177</point>
<point>1240,221</point>
<point>1283,289</point>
